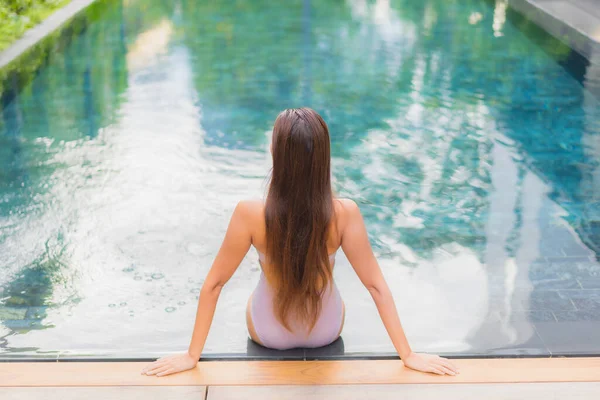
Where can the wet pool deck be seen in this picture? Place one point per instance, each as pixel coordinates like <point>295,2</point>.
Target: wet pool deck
<point>573,378</point>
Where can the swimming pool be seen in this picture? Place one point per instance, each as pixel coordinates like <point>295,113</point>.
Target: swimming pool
<point>466,135</point>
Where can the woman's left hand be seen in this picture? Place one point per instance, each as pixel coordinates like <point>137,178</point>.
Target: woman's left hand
<point>170,365</point>
<point>430,363</point>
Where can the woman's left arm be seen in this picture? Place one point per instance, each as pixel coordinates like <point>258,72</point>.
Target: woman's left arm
<point>235,246</point>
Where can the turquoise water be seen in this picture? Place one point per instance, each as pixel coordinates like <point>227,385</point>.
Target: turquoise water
<point>463,132</point>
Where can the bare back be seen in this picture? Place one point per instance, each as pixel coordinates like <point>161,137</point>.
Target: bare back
<point>257,226</point>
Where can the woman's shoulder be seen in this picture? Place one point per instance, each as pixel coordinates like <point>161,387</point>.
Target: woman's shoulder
<point>346,205</point>
<point>251,209</point>
<point>251,206</point>
<point>345,210</point>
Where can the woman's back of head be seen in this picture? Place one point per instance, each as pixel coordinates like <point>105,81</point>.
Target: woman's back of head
<point>298,212</point>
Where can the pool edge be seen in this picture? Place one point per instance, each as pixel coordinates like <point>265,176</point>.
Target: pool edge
<point>564,28</point>
<point>229,373</point>
<point>39,32</point>
<point>239,357</point>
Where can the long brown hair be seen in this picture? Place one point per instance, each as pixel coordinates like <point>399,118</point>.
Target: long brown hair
<point>298,212</point>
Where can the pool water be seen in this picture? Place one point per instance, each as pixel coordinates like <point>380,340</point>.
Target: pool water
<point>465,134</point>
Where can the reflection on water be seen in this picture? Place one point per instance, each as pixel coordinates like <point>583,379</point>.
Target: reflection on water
<point>124,156</point>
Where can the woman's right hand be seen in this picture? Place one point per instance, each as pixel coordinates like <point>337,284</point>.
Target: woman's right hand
<point>170,365</point>
<point>430,363</point>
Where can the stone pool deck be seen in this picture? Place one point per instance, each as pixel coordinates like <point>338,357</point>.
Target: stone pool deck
<point>572,378</point>
<point>530,391</point>
<point>43,29</point>
<point>576,22</point>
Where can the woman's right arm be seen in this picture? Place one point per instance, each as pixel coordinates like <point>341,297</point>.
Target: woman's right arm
<point>356,246</point>
<point>235,245</point>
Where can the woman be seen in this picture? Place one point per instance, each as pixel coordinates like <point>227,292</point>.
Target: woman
<point>296,234</point>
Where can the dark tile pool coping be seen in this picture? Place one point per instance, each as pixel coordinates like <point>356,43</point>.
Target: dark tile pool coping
<point>332,352</point>
<point>241,357</point>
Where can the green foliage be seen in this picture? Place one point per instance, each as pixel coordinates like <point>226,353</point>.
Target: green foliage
<point>16,16</point>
